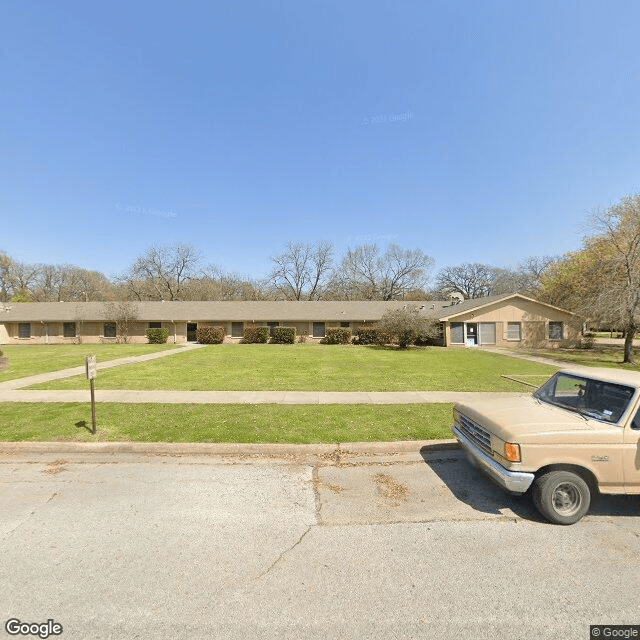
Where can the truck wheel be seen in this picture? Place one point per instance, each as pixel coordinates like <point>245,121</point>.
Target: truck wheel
<point>562,497</point>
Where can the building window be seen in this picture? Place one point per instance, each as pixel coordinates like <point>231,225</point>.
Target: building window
<point>457,333</point>
<point>272,326</point>
<point>69,329</point>
<point>237,329</point>
<point>345,325</point>
<point>514,331</point>
<point>109,329</point>
<point>318,329</point>
<point>555,331</point>
<point>24,330</point>
<point>155,325</point>
<point>487,333</point>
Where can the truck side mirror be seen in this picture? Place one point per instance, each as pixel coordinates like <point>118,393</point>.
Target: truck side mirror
<point>635,423</point>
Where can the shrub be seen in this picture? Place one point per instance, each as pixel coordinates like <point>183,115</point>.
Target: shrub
<point>588,341</point>
<point>210,335</point>
<point>406,325</point>
<point>370,335</point>
<point>337,335</point>
<point>432,334</point>
<point>284,335</point>
<point>256,335</point>
<point>424,340</point>
<point>157,336</point>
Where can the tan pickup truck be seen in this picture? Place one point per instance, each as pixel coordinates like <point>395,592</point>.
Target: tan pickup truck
<point>577,434</point>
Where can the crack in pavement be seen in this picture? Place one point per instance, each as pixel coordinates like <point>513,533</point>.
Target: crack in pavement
<point>283,554</point>
<point>29,515</point>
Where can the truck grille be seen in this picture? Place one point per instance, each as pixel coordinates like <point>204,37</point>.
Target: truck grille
<point>476,433</point>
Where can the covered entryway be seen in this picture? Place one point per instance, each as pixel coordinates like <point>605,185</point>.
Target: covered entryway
<point>192,329</point>
<point>472,333</point>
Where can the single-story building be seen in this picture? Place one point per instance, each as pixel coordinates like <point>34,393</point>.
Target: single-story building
<point>508,321</point>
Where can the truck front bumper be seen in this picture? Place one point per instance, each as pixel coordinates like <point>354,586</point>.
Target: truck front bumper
<point>512,481</point>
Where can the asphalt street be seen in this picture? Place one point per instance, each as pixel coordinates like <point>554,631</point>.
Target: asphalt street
<point>412,544</point>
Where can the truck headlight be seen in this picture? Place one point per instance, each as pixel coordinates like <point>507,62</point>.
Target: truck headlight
<point>512,452</point>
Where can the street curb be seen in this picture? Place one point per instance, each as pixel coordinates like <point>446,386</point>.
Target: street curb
<point>228,449</point>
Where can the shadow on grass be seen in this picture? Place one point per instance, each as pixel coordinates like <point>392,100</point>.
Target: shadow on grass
<point>82,424</point>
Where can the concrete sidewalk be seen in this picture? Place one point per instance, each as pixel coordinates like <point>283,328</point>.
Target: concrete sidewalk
<point>249,397</point>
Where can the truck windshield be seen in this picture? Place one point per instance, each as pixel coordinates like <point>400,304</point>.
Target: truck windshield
<point>605,401</point>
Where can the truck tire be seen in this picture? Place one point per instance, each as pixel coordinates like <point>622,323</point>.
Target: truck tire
<point>562,497</point>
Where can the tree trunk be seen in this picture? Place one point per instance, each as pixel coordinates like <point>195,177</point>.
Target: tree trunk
<point>628,344</point>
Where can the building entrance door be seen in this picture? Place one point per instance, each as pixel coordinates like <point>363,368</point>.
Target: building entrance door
<point>472,332</point>
<point>192,328</point>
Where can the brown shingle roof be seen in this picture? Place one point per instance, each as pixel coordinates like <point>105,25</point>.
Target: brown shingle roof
<point>209,311</point>
<point>239,311</point>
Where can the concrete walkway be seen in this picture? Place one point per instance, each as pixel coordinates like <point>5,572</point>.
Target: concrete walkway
<point>524,356</point>
<point>18,383</point>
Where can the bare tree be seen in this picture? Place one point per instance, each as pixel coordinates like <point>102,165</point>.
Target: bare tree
<point>162,272</point>
<point>123,314</point>
<point>472,280</point>
<point>23,277</point>
<point>367,274</point>
<point>616,294</point>
<point>531,272</point>
<point>601,282</point>
<point>6,284</point>
<point>215,284</point>
<point>477,280</point>
<point>301,270</point>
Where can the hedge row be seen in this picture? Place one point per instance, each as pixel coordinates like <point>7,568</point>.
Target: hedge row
<point>157,336</point>
<point>256,335</point>
<point>338,335</point>
<point>210,335</point>
<point>284,335</point>
<point>371,335</point>
<point>287,335</point>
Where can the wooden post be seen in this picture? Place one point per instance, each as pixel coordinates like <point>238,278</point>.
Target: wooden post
<point>91,368</point>
<point>93,406</point>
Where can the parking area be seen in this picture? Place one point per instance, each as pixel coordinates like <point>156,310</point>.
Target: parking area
<point>390,545</point>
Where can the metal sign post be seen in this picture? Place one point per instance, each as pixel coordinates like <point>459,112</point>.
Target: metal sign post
<point>92,370</point>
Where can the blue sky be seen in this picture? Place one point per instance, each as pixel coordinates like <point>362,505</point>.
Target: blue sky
<point>473,130</point>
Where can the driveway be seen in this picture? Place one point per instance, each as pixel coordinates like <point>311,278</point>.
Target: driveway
<point>341,544</point>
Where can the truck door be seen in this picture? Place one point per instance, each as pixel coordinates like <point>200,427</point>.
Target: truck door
<point>631,455</point>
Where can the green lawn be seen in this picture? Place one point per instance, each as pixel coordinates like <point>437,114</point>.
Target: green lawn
<point>28,360</point>
<point>226,423</point>
<point>319,368</point>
